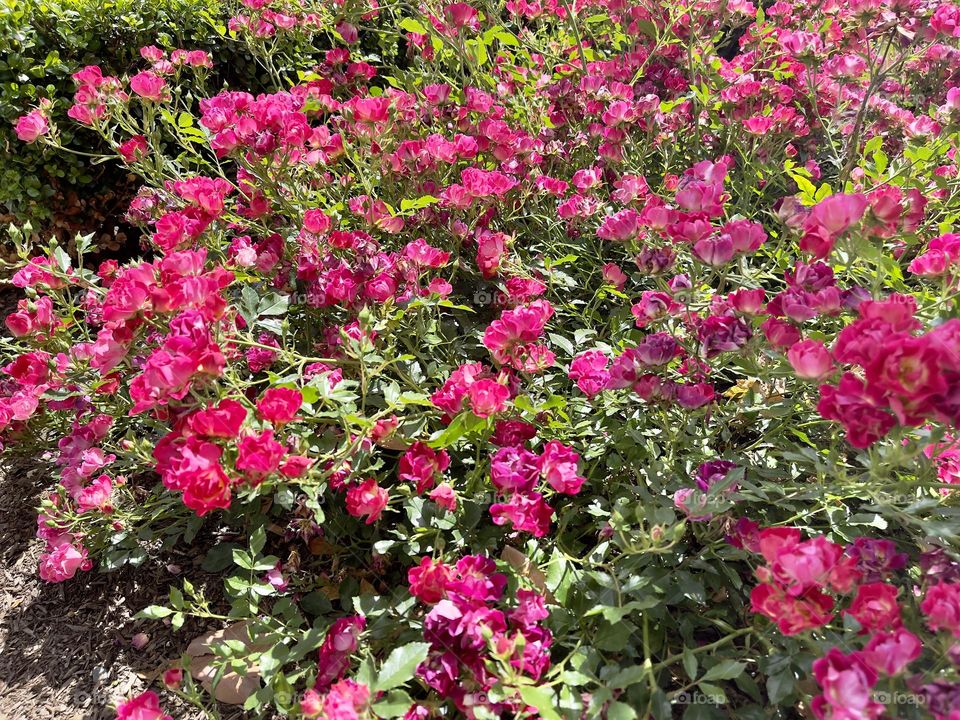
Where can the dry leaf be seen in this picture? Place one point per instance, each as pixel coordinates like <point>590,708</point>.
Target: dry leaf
<point>521,563</point>
<point>319,546</point>
<point>332,592</point>
<point>233,688</point>
<point>204,644</point>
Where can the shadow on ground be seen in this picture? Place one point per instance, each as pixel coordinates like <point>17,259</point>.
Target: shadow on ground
<point>65,649</point>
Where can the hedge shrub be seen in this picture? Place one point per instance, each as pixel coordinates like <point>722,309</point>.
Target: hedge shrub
<point>41,45</point>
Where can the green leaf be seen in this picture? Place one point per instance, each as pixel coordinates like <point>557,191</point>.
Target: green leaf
<point>627,676</point>
<point>780,686</point>
<point>257,540</point>
<point>395,704</point>
<point>365,673</point>
<point>725,670</point>
<point>273,659</point>
<point>477,51</point>
<point>412,398</point>
<point>807,188</point>
<point>154,612</point>
<point>620,711</point>
<point>660,704</point>
<point>257,699</point>
<point>411,25</point>
<point>575,678</point>
<point>880,160</point>
<point>873,144</point>
<point>242,559</point>
<point>273,304</point>
<point>563,343</point>
<point>542,699</point>
<point>453,432</point>
<point>690,663</point>
<point>83,242</point>
<point>565,260</point>
<point>716,694</point>
<point>400,665</point>
<point>265,563</point>
<point>176,598</point>
<point>219,557</point>
<point>616,614</point>
<point>250,300</point>
<point>309,642</point>
<point>316,603</point>
<point>407,205</point>
<point>63,260</point>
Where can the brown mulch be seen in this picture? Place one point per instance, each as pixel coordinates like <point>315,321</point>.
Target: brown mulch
<point>65,649</point>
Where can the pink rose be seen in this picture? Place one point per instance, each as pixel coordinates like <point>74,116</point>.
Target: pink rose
<point>222,421</point>
<point>614,275</point>
<point>428,581</point>
<point>149,86</point>
<point>890,653</point>
<point>837,213</point>
<point>173,677</point>
<point>32,126</point>
<point>875,607</point>
<point>620,226</point>
<point>559,465</point>
<point>133,149</point>
<point>145,706</point>
<point>62,562</point>
<point>279,405</point>
<point>368,499</point>
<point>589,370</point>
<point>444,496</point>
<point>941,605</point>
<point>810,359</point>
<point>487,397</point>
<point>527,512</point>
<point>199,58</point>
<point>259,455</point>
<point>421,465</point>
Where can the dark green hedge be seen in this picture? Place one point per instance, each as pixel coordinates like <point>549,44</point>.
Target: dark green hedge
<point>43,43</point>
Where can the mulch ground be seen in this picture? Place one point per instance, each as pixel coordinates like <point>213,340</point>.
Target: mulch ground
<point>65,649</point>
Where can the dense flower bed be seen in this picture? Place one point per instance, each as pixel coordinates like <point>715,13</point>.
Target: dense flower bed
<point>583,360</point>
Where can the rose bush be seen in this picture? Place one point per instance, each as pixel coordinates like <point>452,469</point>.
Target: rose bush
<point>43,42</point>
<point>554,360</point>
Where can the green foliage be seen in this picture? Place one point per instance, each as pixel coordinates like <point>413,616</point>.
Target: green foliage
<point>43,43</point>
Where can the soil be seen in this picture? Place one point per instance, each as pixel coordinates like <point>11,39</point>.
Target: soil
<point>66,649</point>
